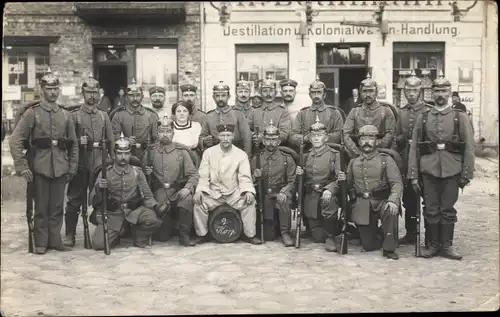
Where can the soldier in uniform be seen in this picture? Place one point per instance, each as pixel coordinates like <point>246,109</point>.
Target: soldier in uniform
<point>329,116</point>
<point>225,178</point>
<point>157,95</point>
<point>174,182</point>
<point>442,151</point>
<point>51,133</point>
<point>135,121</point>
<point>89,123</point>
<point>321,175</point>
<point>277,170</point>
<point>376,185</point>
<point>243,98</point>
<point>256,100</point>
<point>225,114</point>
<point>408,118</point>
<point>288,91</point>
<point>129,201</point>
<point>270,112</point>
<point>370,112</point>
<point>189,94</point>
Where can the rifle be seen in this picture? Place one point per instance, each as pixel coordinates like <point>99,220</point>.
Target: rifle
<point>300,194</point>
<point>343,197</point>
<point>104,210</point>
<point>86,234</point>
<point>30,197</point>
<point>149,178</point>
<point>261,193</point>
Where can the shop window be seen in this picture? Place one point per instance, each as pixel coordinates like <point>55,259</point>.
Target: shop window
<point>426,59</point>
<point>257,62</point>
<point>18,69</point>
<point>41,65</point>
<point>157,67</point>
<point>25,65</point>
<point>341,54</point>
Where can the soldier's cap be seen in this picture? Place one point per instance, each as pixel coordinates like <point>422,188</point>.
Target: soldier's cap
<point>441,81</point>
<point>317,127</point>
<point>242,84</point>
<point>268,83</point>
<point>455,94</point>
<point>133,87</point>
<point>271,131</point>
<point>225,127</point>
<point>188,87</point>
<point>413,80</point>
<point>368,130</point>
<point>49,80</point>
<point>317,84</point>
<point>122,144</point>
<point>288,82</point>
<point>90,84</point>
<point>256,95</point>
<point>165,125</point>
<point>368,82</point>
<point>156,89</point>
<point>221,87</point>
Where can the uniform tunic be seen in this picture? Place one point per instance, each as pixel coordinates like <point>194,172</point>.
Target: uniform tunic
<point>199,116</point>
<point>277,113</point>
<point>246,109</point>
<point>293,109</point>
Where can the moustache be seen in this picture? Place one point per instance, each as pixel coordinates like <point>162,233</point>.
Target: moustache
<point>366,145</point>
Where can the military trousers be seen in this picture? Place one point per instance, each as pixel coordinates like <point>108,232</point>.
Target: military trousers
<point>147,224</point>
<point>236,201</point>
<point>181,209</point>
<point>77,190</point>
<point>277,217</point>
<point>49,210</point>
<point>323,223</point>
<point>372,238</point>
<point>411,203</point>
<point>440,196</point>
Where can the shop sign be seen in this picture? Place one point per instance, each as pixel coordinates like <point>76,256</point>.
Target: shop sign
<point>11,93</point>
<point>16,68</point>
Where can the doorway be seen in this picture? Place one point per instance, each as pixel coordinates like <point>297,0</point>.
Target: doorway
<point>330,78</point>
<point>349,78</point>
<point>111,78</point>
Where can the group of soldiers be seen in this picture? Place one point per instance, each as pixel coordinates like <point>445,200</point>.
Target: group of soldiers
<point>146,183</point>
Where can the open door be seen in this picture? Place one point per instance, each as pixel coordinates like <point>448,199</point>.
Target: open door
<point>331,79</point>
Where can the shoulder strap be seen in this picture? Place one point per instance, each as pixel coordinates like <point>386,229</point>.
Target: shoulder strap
<point>456,124</point>
<point>424,124</point>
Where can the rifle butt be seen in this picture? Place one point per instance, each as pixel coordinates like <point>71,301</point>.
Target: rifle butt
<point>30,217</point>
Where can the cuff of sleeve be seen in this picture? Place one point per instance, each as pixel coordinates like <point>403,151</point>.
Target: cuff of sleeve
<point>248,189</point>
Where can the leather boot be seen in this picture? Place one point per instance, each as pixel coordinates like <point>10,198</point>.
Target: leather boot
<point>202,239</point>
<point>71,221</point>
<point>186,241</point>
<point>447,250</point>
<point>434,244</point>
<point>185,224</point>
<point>330,244</point>
<point>287,239</point>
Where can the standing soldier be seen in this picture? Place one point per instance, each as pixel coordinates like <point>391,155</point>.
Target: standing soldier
<point>222,115</point>
<point>370,112</point>
<point>51,134</point>
<point>189,93</point>
<point>174,182</point>
<point>329,116</point>
<point>321,175</point>
<point>89,123</point>
<point>278,178</point>
<point>243,98</point>
<point>375,181</point>
<point>408,118</point>
<point>288,91</point>
<point>138,123</point>
<point>157,95</point>
<point>442,151</point>
<point>270,112</point>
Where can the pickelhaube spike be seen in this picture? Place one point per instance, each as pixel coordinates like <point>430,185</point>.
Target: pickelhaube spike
<point>221,86</point>
<point>271,130</point>
<point>317,84</point>
<point>90,84</point>
<point>49,79</point>
<point>133,87</point>
<point>242,84</point>
<point>317,127</point>
<point>368,82</point>
<point>166,124</point>
<point>441,81</point>
<point>413,80</point>
<point>268,82</point>
<point>123,144</point>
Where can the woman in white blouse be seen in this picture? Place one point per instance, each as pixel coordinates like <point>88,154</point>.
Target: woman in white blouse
<point>187,132</point>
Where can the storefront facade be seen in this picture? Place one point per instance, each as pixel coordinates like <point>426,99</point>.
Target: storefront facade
<point>267,39</point>
<point>151,43</point>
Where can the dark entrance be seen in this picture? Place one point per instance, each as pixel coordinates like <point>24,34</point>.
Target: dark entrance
<point>350,78</point>
<point>111,78</point>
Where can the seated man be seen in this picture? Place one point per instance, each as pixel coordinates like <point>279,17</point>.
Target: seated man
<point>225,178</point>
<point>374,179</point>
<point>277,170</point>
<point>129,200</point>
<point>174,179</point>
<point>321,172</point>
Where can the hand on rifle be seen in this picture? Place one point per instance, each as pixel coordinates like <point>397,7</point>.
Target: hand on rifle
<point>28,175</point>
<point>148,170</point>
<point>257,173</point>
<point>326,197</point>
<point>281,198</point>
<point>84,140</point>
<point>161,210</point>
<point>208,141</point>
<point>183,193</point>
<point>197,198</point>
<point>103,183</point>
<point>416,186</point>
<point>393,208</point>
<point>132,140</point>
<point>299,171</point>
<point>257,138</point>
<point>341,176</point>
<point>463,182</point>
<point>249,198</point>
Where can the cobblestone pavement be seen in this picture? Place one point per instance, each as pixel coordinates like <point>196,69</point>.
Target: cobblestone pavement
<point>243,279</point>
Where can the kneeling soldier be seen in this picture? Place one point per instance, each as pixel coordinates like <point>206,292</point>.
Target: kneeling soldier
<point>129,200</point>
<point>322,170</point>
<point>174,181</point>
<point>375,181</point>
<point>278,178</point>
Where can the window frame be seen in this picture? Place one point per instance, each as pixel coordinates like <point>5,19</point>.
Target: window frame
<point>30,53</point>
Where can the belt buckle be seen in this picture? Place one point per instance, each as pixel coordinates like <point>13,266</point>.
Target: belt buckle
<point>166,185</point>
<point>95,144</point>
<point>124,206</point>
<point>269,191</point>
<point>440,146</point>
<point>409,141</point>
<point>137,145</point>
<point>55,142</point>
<point>316,187</point>
<point>366,195</point>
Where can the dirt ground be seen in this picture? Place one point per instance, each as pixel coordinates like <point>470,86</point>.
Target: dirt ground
<point>243,279</point>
